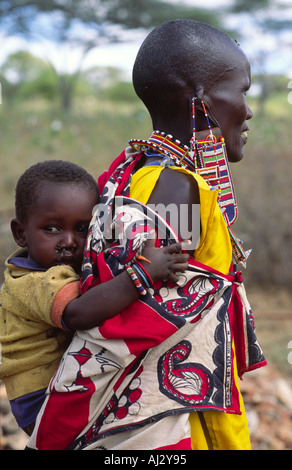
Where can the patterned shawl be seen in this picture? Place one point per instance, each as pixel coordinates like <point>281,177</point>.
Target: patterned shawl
<point>169,353</point>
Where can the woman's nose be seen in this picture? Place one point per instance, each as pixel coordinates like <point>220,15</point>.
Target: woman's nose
<point>249,114</point>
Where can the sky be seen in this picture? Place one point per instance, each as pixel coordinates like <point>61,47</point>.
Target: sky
<point>122,55</point>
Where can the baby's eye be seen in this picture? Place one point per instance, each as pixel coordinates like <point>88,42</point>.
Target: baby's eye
<point>51,228</point>
<point>83,228</point>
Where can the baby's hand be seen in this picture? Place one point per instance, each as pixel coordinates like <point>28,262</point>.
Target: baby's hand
<point>163,263</point>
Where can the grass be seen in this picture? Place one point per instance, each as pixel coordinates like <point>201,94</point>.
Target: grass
<point>92,136</point>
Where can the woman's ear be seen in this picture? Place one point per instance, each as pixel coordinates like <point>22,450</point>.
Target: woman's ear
<point>203,96</point>
<point>18,232</point>
<point>200,118</point>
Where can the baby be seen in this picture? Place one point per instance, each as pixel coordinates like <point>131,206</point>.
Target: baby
<point>41,304</point>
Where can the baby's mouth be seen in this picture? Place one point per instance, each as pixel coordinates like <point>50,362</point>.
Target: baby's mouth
<point>65,256</point>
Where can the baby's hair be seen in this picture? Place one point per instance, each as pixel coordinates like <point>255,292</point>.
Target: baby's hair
<point>53,171</point>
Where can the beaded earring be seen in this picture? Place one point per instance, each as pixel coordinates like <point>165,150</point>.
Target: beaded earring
<point>212,164</point>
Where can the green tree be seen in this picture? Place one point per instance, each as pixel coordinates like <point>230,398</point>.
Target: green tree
<point>90,23</point>
<point>24,75</point>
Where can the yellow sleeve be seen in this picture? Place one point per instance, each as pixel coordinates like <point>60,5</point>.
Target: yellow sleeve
<point>31,337</point>
<point>214,249</point>
<point>33,295</point>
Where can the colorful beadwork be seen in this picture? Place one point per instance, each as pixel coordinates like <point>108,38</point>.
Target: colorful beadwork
<point>135,280</point>
<point>143,274</point>
<point>168,146</point>
<point>213,166</point>
<point>207,157</point>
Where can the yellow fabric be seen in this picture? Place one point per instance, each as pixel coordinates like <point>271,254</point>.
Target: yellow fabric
<point>32,345</point>
<point>210,430</point>
<point>214,248</point>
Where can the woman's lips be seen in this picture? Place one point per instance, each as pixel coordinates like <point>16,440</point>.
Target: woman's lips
<point>244,137</point>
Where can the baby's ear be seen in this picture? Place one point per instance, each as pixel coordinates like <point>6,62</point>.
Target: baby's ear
<point>18,232</point>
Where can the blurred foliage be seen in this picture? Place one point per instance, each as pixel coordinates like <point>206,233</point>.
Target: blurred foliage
<point>20,15</point>
<point>121,91</point>
<point>23,75</point>
<point>240,6</point>
<point>268,14</point>
<point>86,25</point>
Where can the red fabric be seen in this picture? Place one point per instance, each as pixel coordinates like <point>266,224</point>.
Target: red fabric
<point>148,328</point>
<point>103,178</point>
<point>59,425</point>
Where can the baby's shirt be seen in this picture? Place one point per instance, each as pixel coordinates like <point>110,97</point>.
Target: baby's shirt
<point>32,336</point>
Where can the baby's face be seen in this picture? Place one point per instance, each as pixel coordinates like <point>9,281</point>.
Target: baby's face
<point>57,225</point>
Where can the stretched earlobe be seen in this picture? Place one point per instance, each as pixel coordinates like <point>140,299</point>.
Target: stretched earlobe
<point>204,108</point>
<point>199,93</point>
<point>18,232</point>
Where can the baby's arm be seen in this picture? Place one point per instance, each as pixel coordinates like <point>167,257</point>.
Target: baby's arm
<point>106,300</point>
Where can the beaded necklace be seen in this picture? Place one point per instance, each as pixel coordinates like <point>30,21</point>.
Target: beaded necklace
<point>171,150</point>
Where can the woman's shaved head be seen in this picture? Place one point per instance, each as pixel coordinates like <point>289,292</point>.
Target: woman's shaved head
<point>184,58</point>
<point>181,54</point>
